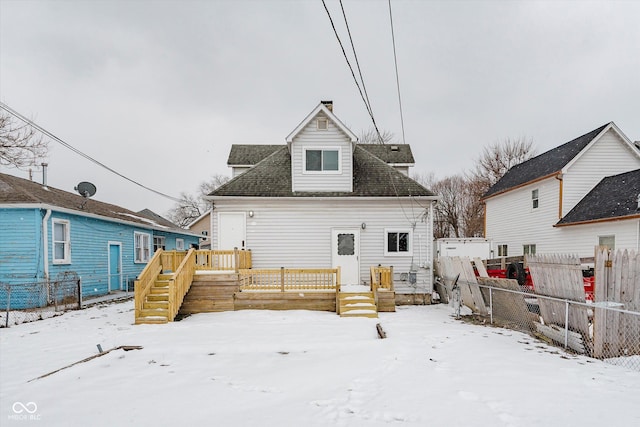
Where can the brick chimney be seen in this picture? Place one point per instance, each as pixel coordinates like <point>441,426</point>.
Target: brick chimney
<point>328,104</point>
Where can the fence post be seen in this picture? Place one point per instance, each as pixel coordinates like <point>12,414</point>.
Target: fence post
<point>282,279</point>
<point>6,323</point>
<point>80,293</point>
<point>566,323</point>
<point>491,304</point>
<point>236,259</point>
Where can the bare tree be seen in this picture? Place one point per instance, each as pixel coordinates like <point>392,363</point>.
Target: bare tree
<point>497,158</point>
<point>370,136</point>
<point>192,206</point>
<point>20,144</point>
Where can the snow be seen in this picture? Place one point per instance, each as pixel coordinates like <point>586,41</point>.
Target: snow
<point>292,368</point>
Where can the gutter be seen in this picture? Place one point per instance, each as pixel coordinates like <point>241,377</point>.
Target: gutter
<point>45,243</point>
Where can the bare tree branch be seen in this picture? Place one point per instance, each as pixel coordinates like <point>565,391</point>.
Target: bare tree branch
<point>370,136</point>
<point>20,145</point>
<point>192,206</point>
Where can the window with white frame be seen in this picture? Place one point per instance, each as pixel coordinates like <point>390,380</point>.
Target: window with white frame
<point>142,244</point>
<point>158,243</point>
<point>502,250</point>
<point>322,123</point>
<point>61,242</point>
<point>529,249</point>
<point>534,199</point>
<point>398,242</point>
<point>607,241</point>
<point>324,160</point>
<point>179,244</point>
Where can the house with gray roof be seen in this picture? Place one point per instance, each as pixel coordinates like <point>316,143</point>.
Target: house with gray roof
<point>47,233</point>
<point>579,195</point>
<point>321,200</point>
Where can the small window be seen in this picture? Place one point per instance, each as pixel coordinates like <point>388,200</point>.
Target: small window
<point>502,250</point>
<point>529,249</point>
<point>346,244</point>
<point>61,242</point>
<point>158,243</point>
<point>398,242</point>
<point>205,233</point>
<point>323,123</point>
<point>534,199</point>
<point>179,244</point>
<point>607,241</point>
<point>322,160</point>
<point>142,243</point>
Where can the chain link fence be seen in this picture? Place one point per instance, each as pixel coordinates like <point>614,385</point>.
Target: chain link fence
<point>605,331</point>
<point>27,302</point>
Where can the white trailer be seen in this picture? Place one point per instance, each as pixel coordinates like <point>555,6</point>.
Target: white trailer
<point>471,247</point>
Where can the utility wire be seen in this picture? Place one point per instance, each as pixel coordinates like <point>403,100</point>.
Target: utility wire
<point>353,74</point>
<point>395,59</point>
<point>80,153</point>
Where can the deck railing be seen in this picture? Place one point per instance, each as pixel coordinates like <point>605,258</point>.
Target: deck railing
<point>181,282</point>
<point>232,260</point>
<point>170,260</point>
<point>290,279</point>
<point>146,278</point>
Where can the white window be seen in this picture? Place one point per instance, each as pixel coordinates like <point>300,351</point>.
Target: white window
<point>158,243</point>
<point>607,241</point>
<point>322,160</point>
<point>61,242</point>
<point>179,244</point>
<point>398,242</point>
<point>529,249</point>
<point>142,246</point>
<point>534,199</point>
<point>502,250</point>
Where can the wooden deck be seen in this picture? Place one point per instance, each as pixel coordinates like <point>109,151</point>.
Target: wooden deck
<point>186,283</point>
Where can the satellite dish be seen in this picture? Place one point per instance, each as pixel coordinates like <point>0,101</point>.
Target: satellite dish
<point>86,189</point>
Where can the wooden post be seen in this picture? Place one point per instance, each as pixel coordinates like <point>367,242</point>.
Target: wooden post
<point>391,285</point>
<point>338,290</point>
<point>236,259</point>
<point>282,279</point>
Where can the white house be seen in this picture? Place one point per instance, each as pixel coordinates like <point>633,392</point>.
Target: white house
<point>570,199</point>
<point>322,200</point>
<point>202,226</point>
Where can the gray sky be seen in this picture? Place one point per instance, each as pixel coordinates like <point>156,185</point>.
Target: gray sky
<point>159,90</point>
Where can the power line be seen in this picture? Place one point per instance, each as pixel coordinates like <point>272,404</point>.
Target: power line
<point>395,60</point>
<point>353,74</point>
<point>80,153</point>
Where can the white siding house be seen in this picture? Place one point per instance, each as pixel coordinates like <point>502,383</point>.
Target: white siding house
<point>321,200</point>
<point>533,207</point>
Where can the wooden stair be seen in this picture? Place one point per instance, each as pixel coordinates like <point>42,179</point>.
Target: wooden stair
<point>357,304</point>
<point>211,293</point>
<point>155,308</point>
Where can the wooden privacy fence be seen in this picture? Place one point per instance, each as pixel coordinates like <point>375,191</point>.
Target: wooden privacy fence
<point>617,298</point>
<point>290,279</point>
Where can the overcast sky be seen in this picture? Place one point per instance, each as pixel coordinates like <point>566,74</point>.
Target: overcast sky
<point>159,90</point>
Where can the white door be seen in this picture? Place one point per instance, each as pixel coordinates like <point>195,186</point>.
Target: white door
<point>231,230</point>
<point>345,253</point>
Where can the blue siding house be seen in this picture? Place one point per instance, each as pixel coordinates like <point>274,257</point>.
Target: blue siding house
<point>47,233</point>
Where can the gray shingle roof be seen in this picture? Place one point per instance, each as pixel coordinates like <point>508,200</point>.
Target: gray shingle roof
<point>614,197</point>
<point>371,177</point>
<point>544,164</point>
<point>14,190</point>
<point>386,153</point>
<point>242,154</point>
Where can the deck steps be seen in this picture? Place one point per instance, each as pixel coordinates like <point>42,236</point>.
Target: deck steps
<point>155,308</point>
<point>357,304</point>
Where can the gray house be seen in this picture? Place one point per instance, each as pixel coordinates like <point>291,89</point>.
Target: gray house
<point>322,200</point>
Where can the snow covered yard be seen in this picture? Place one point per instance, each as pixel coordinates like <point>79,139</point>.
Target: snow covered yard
<point>293,368</point>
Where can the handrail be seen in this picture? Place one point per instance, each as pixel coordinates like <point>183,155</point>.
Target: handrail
<point>232,259</point>
<point>289,279</point>
<point>142,285</point>
<point>381,278</point>
<point>181,282</point>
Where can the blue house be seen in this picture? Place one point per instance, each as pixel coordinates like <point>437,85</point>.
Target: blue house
<point>47,233</point>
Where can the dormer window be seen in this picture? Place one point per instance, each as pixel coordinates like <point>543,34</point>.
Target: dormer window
<point>322,123</point>
<point>322,160</point>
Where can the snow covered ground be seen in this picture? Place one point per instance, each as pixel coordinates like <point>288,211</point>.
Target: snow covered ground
<point>301,368</point>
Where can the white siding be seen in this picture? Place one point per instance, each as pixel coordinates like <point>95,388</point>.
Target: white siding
<point>311,137</point>
<point>511,220</point>
<point>239,170</point>
<point>297,233</point>
<point>582,239</point>
<point>608,156</point>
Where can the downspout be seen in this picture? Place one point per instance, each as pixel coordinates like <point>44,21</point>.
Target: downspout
<point>45,243</point>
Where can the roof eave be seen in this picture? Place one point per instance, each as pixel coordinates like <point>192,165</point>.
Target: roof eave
<point>332,117</point>
<point>599,220</point>
<point>524,184</point>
